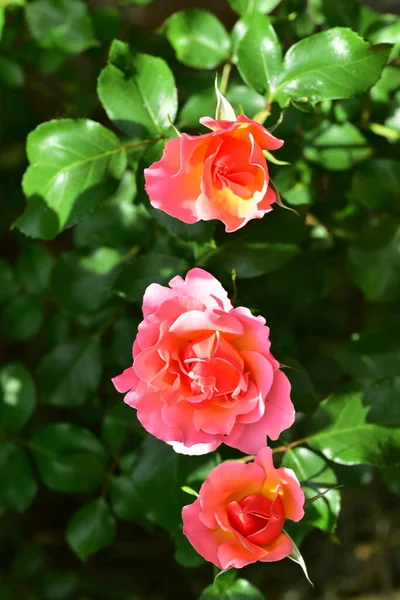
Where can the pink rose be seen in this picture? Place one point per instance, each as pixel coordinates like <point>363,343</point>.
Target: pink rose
<point>203,373</point>
<point>240,513</point>
<point>220,175</point>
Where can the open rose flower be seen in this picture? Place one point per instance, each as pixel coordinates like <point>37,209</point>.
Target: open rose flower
<point>203,373</point>
<point>220,175</point>
<point>240,513</point>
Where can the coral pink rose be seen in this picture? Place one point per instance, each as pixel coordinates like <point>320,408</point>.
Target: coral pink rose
<point>220,175</point>
<point>239,515</point>
<point>203,373</point>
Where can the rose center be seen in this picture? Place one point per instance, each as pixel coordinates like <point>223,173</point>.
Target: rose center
<point>214,369</point>
<point>257,518</point>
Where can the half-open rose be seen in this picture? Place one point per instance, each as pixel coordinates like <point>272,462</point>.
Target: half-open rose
<point>220,175</point>
<point>239,515</point>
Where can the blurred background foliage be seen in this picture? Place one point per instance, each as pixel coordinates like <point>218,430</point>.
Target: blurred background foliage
<point>89,504</point>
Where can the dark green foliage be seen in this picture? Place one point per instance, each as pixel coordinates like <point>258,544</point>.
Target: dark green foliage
<point>89,93</point>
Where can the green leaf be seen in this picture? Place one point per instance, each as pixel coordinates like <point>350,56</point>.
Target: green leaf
<point>69,458</point>
<point>71,372</point>
<point>295,183</point>
<point>247,6</point>
<point>374,262</point>
<point>118,424</point>
<point>92,528</point>
<point>251,259</point>
<point>124,499</point>
<point>78,286</point>
<point>386,30</point>
<point>8,284</point>
<point>198,38</point>
<point>370,356</point>
<point>315,477</point>
<point>117,222</point>
<point>341,12</point>
<point>21,318</point>
<point>376,184</point>
<point>2,19</point>
<point>18,484</point>
<point>259,55</point>
<point>332,64</point>
<point>137,91</point>
<point>185,554</point>
<point>386,85</point>
<point>337,147</point>
<point>157,483</point>
<point>61,24</point>
<point>341,431</point>
<point>11,73</point>
<point>382,398</point>
<point>241,589</point>
<point>144,270</point>
<point>124,332</point>
<point>33,268</point>
<point>74,166</point>
<point>17,397</point>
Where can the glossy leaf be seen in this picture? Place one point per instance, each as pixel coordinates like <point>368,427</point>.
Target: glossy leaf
<point>240,589</point>
<point>332,64</point>
<point>124,499</point>
<point>316,477</point>
<point>118,425</point>
<point>137,92</point>
<point>74,166</point>
<point>91,528</point>
<point>69,458</point>
<point>61,24</point>
<point>259,56</point>
<point>198,38</point>
<point>243,7</point>
<point>157,483</point>
<point>337,147</point>
<point>17,397</point>
<point>342,432</point>
<point>70,372</point>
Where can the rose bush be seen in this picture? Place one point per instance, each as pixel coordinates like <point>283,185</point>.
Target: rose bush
<point>203,372</point>
<point>239,515</point>
<point>220,175</point>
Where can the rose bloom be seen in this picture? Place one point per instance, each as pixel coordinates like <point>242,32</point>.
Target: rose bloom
<point>203,373</point>
<point>220,175</point>
<point>239,515</point>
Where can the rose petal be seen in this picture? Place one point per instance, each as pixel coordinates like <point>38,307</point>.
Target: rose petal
<point>204,541</point>
<point>204,287</point>
<point>196,449</point>
<point>194,323</point>
<point>126,380</point>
